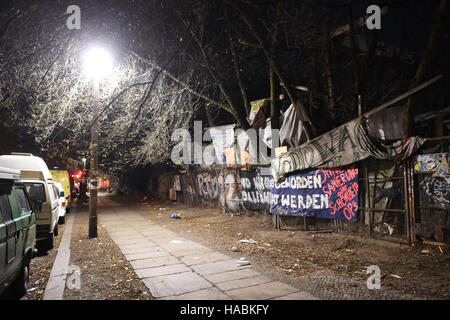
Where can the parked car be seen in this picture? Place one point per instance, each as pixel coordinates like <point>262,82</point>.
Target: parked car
<point>61,203</point>
<point>39,185</point>
<point>62,176</point>
<point>17,232</point>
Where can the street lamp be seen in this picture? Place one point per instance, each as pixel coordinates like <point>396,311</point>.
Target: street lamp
<point>97,64</point>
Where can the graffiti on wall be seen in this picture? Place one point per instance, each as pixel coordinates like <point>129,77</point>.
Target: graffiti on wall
<point>429,162</point>
<point>442,170</point>
<point>231,191</point>
<point>323,193</point>
<point>207,186</point>
<point>176,183</point>
<point>256,189</point>
<point>435,191</point>
<point>188,189</point>
<point>216,187</point>
<point>434,186</point>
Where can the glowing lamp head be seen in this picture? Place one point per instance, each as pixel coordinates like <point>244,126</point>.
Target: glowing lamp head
<point>97,63</point>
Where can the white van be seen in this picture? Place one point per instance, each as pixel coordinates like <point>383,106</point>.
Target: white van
<point>40,188</point>
<point>61,203</point>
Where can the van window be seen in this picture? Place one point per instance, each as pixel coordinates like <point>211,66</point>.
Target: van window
<point>5,208</point>
<point>55,191</point>
<point>35,191</point>
<point>24,206</point>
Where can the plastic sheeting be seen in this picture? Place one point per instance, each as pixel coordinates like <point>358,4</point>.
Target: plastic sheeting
<point>223,138</point>
<point>291,131</point>
<point>344,145</point>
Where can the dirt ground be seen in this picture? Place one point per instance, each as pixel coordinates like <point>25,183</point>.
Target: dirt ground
<point>40,269</point>
<point>307,259</point>
<point>105,273</point>
<point>421,271</point>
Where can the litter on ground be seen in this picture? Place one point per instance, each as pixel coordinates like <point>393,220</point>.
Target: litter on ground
<point>248,241</point>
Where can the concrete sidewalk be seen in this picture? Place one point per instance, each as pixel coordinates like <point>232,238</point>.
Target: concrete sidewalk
<point>58,276</point>
<point>173,267</point>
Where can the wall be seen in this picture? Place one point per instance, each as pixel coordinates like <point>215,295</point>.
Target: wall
<point>433,196</point>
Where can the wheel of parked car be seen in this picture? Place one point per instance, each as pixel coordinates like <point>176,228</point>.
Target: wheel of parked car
<point>45,245</point>
<point>62,220</point>
<point>20,286</point>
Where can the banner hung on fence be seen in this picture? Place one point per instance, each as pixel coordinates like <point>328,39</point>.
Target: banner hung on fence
<point>257,187</point>
<point>323,193</point>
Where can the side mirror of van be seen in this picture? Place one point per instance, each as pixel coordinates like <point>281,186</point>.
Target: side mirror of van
<point>36,206</point>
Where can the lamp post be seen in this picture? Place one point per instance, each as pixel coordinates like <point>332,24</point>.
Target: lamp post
<point>97,63</point>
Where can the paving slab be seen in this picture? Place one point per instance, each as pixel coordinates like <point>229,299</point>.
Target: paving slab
<point>302,295</point>
<point>180,252</point>
<point>204,294</point>
<point>178,243</point>
<point>231,275</point>
<point>146,255</point>
<point>144,226</point>
<point>218,267</point>
<point>151,227</point>
<point>139,250</point>
<point>121,229</point>
<point>128,233</point>
<point>154,262</point>
<point>263,291</point>
<point>175,284</point>
<point>110,218</point>
<point>125,236</point>
<point>136,220</point>
<point>135,240</point>
<point>162,236</point>
<point>146,244</point>
<point>242,283</point>
<point>141,224</point>
<point>161,271</point>
<point>202,258</point>
<point>114,225</point>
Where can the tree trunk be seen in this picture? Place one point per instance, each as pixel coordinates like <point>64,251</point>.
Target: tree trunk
<point>355,59</point>
<point>328,73</point>
<point>274,83</point>
<point>422,69</point>
<point>209,117</point>
<point>274,104</point>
